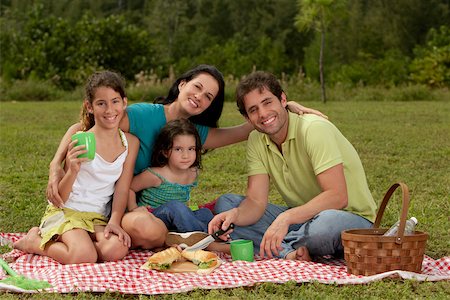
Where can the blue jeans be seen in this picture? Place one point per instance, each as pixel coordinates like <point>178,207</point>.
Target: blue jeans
<point>321,235</point>
<point>180,218</point>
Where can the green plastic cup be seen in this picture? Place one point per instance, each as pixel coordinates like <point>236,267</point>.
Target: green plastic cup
<point>87,139</point>
<point>194,207</point>
<point>242,250</point>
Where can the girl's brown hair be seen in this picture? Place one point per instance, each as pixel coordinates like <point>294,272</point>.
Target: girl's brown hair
<point>99,79</point>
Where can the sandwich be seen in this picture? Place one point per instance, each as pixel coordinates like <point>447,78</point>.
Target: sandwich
<point>202,259</point>
<point>162,260</point>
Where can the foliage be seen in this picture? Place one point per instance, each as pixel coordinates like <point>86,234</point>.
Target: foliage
<point>367,42</point>
<point>30,90</point>
<point>389,70</point>
<point>432,62</point>
<point>53,49</point>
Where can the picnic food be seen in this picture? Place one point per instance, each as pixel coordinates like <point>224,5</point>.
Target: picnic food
<point>203,259</point>
<point>164,259</point>
<point>173,261</point>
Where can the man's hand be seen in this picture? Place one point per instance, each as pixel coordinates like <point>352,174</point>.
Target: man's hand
<point>117,230</point>
<point>271,241</point>
<point>223,221</point>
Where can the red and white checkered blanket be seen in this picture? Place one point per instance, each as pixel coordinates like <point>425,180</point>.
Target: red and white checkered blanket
<point>126,277</point>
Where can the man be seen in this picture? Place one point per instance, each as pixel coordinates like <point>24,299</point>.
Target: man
<point>313,166</point>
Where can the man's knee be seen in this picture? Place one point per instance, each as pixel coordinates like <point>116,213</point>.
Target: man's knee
<point>227,202</point>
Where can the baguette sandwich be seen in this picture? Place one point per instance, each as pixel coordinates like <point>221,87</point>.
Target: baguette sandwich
<point>203,259</point>
<point>162,260</point>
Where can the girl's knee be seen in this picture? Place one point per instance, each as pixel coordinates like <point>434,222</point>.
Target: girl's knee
<point>227,202</point>
<point>82,255</point>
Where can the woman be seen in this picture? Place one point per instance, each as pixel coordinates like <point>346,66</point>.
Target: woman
<point>197,95</point>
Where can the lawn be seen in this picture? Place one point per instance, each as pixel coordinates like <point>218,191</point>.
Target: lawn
<point>397,141</point>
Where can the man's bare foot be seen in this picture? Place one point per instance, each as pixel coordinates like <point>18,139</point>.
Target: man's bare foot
<point>219,247</point>
<point>30,242</point>
<point>301,253</point>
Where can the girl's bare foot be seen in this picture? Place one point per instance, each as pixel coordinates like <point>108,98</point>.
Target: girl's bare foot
<point>30,242</point>
<point>301,253</point>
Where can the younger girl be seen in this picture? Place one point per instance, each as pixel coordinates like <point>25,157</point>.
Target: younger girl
<point>80,231</point>
<point>165,187</point>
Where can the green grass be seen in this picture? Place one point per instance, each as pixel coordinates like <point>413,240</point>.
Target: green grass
<point>406,141</point>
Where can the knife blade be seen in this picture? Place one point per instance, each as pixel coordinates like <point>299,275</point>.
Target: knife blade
<point>202,244</point>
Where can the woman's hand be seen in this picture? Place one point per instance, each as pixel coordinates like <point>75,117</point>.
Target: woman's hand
<point>56,173</point>
<point>300,109</point>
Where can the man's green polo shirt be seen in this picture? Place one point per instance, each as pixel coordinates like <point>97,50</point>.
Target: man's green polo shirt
<point>312,145</point>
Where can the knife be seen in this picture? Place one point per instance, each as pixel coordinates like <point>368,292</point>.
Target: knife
<point>202,244</point>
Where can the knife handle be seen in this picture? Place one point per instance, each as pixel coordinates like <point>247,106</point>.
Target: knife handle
<point>220,232</point>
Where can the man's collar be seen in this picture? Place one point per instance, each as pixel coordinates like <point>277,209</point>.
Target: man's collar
<point>292,124</point>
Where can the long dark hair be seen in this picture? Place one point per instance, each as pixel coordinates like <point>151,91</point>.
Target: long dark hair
<point>164,142</point>
<point>211,115</point>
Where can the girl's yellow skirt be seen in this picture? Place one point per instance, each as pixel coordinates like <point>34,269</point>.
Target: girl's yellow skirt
<point>57,221</point>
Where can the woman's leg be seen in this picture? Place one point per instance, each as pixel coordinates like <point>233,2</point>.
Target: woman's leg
<point>146,231</point>
<point>108,249</point>
<point>73,247</point>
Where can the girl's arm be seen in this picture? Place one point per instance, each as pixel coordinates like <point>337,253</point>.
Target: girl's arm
<point>219,137</point>
<point>144,180</point>
<point>121,193</point>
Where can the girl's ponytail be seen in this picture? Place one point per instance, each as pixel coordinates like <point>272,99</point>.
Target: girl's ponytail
<point>86,118</point>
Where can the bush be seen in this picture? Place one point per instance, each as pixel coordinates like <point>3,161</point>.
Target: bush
<point>30,90</point>
<point>431,66</point>
<point>390,70</point>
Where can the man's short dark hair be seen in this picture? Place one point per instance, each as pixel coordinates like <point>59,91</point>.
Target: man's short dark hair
<point>256,80</point>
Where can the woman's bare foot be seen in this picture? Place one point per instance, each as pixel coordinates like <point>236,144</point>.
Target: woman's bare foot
<point>301,253</point>
<point>30,242</point>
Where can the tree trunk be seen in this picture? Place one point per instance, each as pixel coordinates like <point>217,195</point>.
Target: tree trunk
<point>322,47</point>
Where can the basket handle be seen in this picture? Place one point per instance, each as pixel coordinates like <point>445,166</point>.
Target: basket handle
<point>404,214</point>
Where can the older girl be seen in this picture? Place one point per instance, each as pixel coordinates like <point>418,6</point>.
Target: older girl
<point>84,228</point>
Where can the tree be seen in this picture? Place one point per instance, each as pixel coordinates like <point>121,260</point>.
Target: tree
<point>317,15</point>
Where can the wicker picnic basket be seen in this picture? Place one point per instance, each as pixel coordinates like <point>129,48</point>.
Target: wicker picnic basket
<point>368,252</point>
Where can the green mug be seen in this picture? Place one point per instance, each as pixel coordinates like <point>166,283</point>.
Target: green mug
<point>194,207</point>
<point>87,139</point>
<point>242,250</point>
